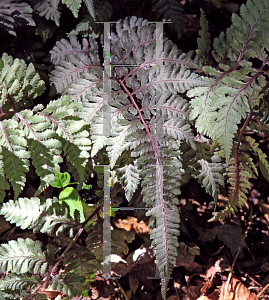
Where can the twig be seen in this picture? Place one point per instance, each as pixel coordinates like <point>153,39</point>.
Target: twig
<point>236,257</point>
<point>263,290</point>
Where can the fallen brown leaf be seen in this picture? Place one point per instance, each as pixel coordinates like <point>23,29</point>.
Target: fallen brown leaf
<point>131,224</point>
<point>237,291</point>
<point>212,296</point>
<point>50,293</point>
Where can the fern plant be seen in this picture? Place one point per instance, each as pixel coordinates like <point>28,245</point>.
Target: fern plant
<point>36,133</point>
<point>137,93</point>
<point>234,101</point>
<point>171,116</point>
<point>26,258</point>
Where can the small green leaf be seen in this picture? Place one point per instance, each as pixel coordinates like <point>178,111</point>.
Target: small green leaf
<point>264,171</point>
<point>72,198</point>
<point>69,193</point>
<point>86,186</point>
<point>61,180</point>
<point>85,293</point>
<point>91,277</point>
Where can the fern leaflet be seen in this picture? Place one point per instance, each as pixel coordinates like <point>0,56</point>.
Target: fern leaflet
<point>204,43</point>
<point>49,10</point>
<point>18,281</point>
<point>23,255</point>
<point>12,8</point>
<point>171,10</point>
<point>30,213</point>
<point>74,6</point>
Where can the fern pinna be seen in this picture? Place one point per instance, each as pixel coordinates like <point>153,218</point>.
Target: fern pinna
<point>148,117</point>
<point>230,106</point>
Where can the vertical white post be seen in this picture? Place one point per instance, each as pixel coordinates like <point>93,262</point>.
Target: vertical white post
<point>107,81</point>
<point>106,224</point>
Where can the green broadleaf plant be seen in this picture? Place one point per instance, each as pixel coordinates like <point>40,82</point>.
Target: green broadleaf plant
<point>69,195</point>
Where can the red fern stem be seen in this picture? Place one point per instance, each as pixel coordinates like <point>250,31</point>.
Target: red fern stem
<point>241,132</point>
